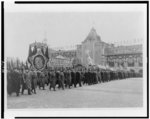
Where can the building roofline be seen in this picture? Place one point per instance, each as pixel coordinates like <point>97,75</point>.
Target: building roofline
<point>123,54</point>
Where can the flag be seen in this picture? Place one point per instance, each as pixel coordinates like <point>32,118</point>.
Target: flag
<point>11,64</point>
<point>34,50</point>
<point>26,66</point>
<point>46,53</point>
<point>30,52</point>
<point>17,63</point>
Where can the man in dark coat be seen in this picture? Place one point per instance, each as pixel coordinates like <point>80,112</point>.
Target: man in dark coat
<point>85,77</point>
<point>52,80</point>
<point>46,77</point>
<point>78,78</point>
<point>26,81</point>
<point>65,77</point>
<point>89,77</point>
<point>13,82</point>
<point>34,81</point>
<point>9,82</point>
<point>73,78</point>
<point>82,76</point>
<point>95,74</point>
<point>108,75</point>
<point>111,75</point>
<point>99,76</point>
<point>61,79</point>
<point>103,76</point>
<point>119,75</point>
<point>41,79</point>
<point>68,78</point>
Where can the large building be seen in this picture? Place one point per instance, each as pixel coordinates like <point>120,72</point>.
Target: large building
<point>127,57</point>
<point>101,53</point>
<point>94,51</point>
<point>92,47</point>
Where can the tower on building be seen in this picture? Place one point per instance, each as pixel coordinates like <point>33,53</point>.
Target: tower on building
<point>93,35</point>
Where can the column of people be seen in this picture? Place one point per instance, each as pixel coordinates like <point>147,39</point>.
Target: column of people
<point>60,78</point>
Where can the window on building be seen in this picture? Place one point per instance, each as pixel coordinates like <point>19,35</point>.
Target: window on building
<point>140,61</point>
<point>111,64</point>
<point>130,62</point>
<point>140,64</point>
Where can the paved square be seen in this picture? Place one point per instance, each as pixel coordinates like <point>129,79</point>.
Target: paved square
<point>119,93</point>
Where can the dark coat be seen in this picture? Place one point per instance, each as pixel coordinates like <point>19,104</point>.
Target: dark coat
<point>78,78</point>
<point>61,80</point>
<point>13,82</point>
<point>52,80</point>
<point>73,79</point>
<point>34,81</point>
<point>68,79</point>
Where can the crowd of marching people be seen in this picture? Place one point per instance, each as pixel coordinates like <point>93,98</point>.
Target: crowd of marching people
<point>60,78</point>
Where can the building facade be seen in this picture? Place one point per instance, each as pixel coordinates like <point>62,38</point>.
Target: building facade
<point>94,51</point>
<point>92,47</point>
<point>59,61</point>
<point>101,53</point>
<point>61,58</point>
<point>126,57</point>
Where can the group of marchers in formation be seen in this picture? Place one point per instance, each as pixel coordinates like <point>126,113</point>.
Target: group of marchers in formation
<point>60,78</point>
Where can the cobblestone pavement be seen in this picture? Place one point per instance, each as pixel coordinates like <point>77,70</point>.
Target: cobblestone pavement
<point>119,93</point>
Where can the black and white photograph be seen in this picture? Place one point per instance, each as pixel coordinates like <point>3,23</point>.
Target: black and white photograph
<point>75,60</point>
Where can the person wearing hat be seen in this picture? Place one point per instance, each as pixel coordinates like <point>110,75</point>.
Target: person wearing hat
<point>78,77</point>
<point>52,80</point>
<point>41,80</point>
<point>34,81</point>
<point>73,77</point>
<point>61,79</point>
<point>13,82</point>
<point>67,74</point>
<point>26,84</point>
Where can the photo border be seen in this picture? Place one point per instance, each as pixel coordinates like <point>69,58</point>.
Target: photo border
<point>69,2</point>
<point>2,59</point>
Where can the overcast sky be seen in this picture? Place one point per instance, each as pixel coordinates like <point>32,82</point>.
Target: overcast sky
<point>64,29</point>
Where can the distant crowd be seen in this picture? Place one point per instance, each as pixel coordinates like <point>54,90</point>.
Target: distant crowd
<point>19,80</point>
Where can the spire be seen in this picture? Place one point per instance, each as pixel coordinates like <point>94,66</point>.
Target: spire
<point>92,33</point>
<point>45,39</point>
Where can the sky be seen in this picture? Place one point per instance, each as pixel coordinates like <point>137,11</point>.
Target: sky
<point>67,29</point>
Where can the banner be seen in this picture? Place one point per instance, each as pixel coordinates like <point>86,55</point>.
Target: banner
<point>38,56</point>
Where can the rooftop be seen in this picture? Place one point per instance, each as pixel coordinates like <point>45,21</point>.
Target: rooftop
<point>92,35</point>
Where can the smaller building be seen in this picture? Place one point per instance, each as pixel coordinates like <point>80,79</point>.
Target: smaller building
<point>62,58</point>
<point>59,61</point>
<point>65,53</point>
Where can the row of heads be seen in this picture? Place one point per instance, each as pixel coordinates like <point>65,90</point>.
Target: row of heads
<point>61,69</point>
